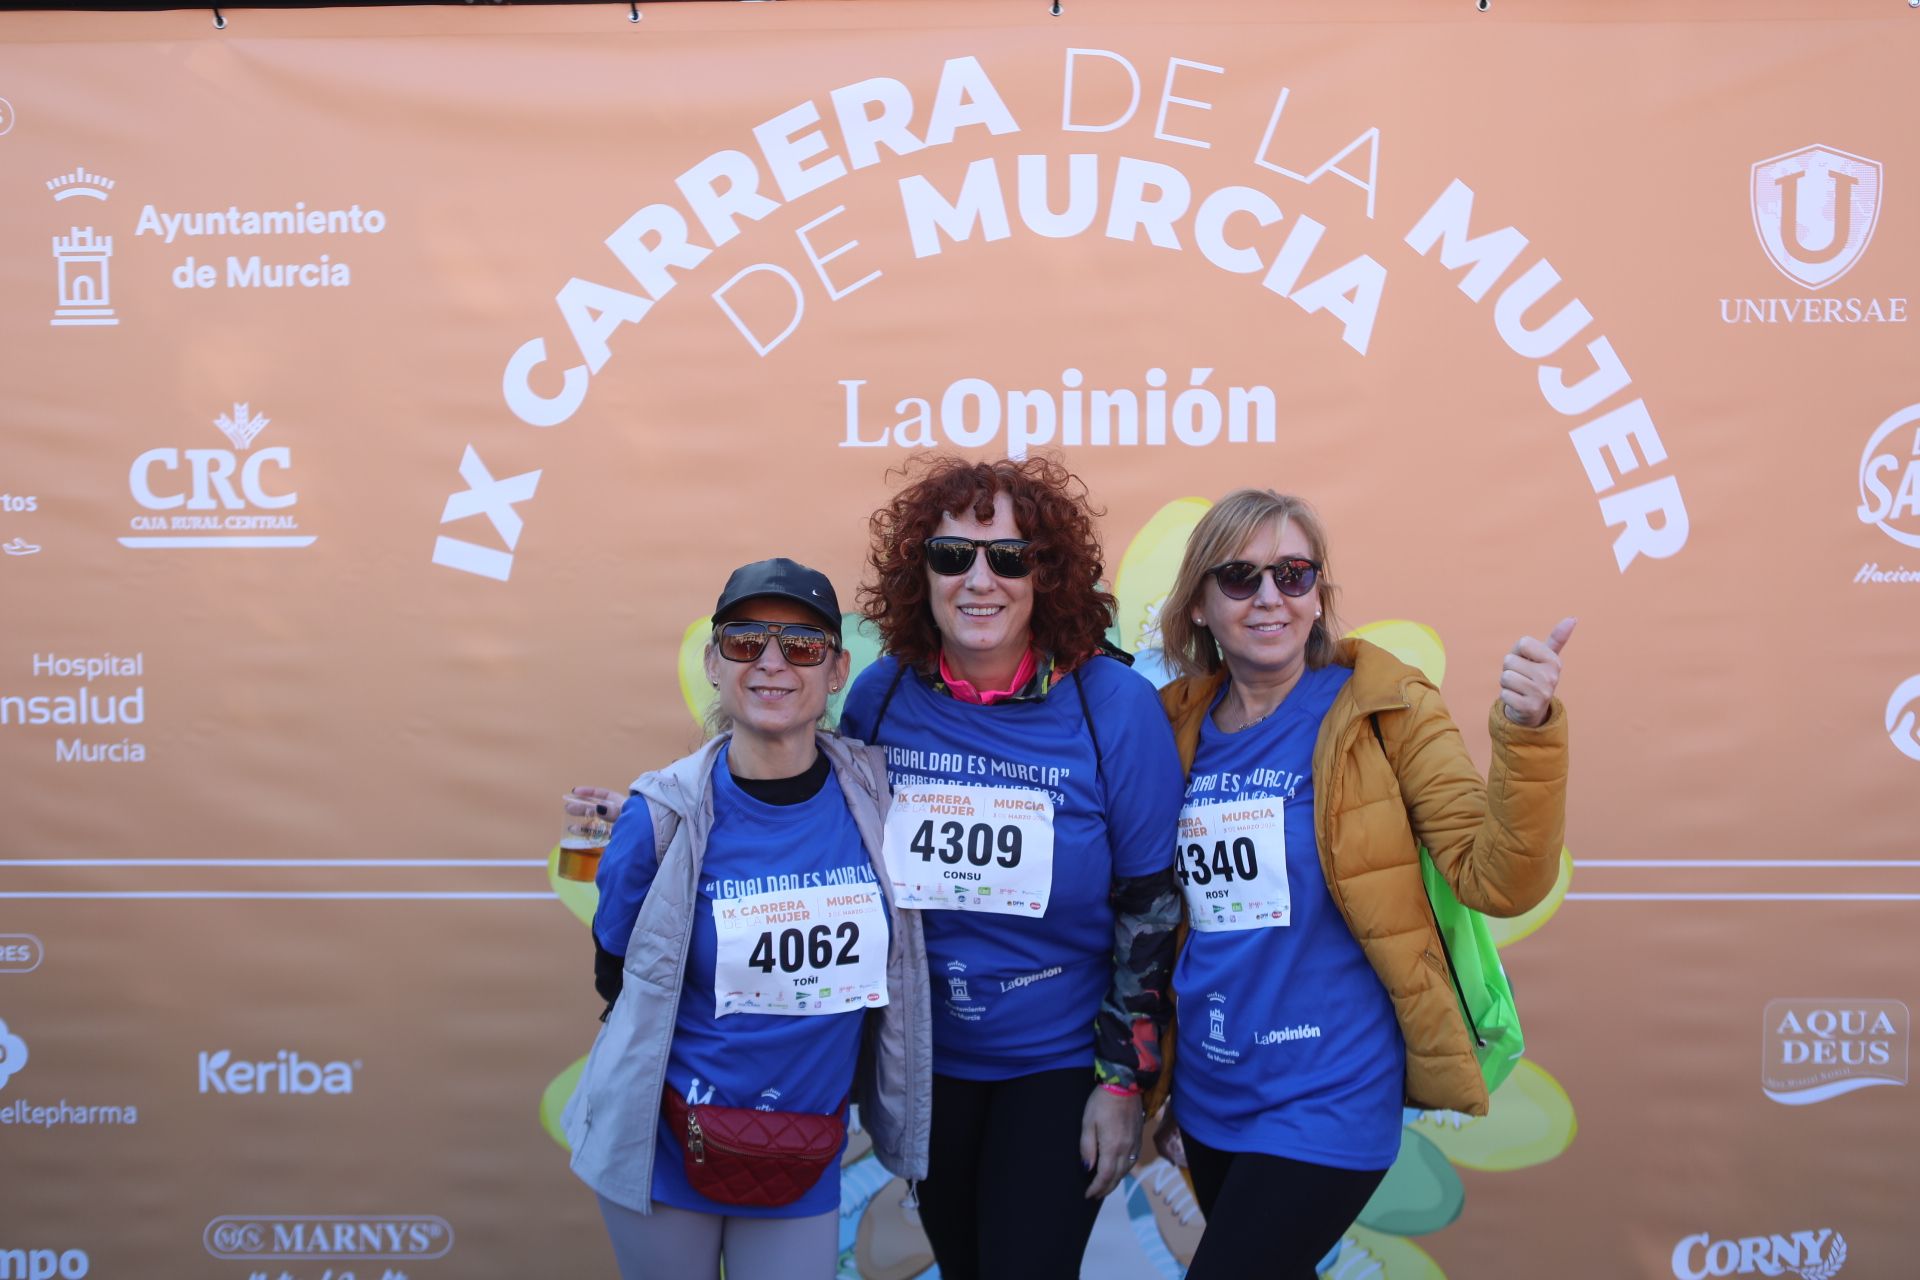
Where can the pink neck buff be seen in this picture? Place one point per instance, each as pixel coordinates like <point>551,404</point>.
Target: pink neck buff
<point>965,692</point>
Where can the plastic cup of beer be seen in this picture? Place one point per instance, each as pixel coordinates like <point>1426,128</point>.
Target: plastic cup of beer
<point>583,838</point>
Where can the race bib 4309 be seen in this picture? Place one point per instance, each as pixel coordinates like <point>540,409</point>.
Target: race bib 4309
<point>822,949</point>
<point>1232,860</point>
<point>952,847</point>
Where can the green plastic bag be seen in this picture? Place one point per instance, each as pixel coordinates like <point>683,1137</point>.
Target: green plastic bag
<point>1481,986</point>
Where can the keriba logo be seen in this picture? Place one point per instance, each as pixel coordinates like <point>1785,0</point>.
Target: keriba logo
<point>285,1073</point>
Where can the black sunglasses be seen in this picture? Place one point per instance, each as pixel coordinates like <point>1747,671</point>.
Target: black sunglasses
<point>951,557</point>
<point>1240,579</point>
<point>801,645</point>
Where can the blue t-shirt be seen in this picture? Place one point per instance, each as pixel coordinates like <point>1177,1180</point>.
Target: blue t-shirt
<point>1288,1043</point>
<point>768,1062</point>
<point>1015,995</point>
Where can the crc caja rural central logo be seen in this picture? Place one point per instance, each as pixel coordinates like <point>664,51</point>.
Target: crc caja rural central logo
<point>197,499</point>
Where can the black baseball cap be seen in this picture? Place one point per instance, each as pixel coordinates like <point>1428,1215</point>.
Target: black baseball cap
<point>783,579</point>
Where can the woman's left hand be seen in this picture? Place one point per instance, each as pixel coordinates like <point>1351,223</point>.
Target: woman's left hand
<point>1109,1138</point>
<point>1530,674</point>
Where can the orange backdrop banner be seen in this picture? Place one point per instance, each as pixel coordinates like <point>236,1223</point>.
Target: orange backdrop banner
<point>388,393</point>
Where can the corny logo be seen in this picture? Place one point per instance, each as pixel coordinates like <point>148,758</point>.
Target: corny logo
<point>1811,1255</point>
<point>1815,211</point>
<point>1814,1050</point>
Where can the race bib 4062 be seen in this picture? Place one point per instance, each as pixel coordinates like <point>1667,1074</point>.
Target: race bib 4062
<point>822,949</point>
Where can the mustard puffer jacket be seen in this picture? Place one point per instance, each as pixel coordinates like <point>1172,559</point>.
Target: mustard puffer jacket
<point>1497,842</point>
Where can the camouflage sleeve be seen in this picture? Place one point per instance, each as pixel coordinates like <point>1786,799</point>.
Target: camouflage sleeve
<point>1146,910</point>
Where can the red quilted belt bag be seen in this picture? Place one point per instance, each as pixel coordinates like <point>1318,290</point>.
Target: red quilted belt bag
<point>763,1158</point>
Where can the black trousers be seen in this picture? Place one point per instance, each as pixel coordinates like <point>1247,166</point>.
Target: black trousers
<point>1005,1195</point>
<point>1268,1216</point>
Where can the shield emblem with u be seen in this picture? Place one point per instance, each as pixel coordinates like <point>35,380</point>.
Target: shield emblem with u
<point>1815,210</point>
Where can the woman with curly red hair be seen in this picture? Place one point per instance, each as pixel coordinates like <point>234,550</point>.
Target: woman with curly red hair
<point>1036,792</point>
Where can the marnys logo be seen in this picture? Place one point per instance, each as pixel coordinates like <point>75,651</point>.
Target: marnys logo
<point>1815,211</point>
<point>1811,1255</point>
<point>1813,1050</point>
<point>331,1236</point>
<point>43,1264</point>
<point>214,512</point>
<point>1890,487</point>
<point>285,1072</point>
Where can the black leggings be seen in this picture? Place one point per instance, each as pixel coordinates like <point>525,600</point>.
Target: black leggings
<point>1276,1217</point>
<point>1005,1195</point>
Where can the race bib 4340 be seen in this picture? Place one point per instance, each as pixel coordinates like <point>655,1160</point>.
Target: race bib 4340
<point>822,949</point>
<point>1231,857</point>
<point>951,847</point>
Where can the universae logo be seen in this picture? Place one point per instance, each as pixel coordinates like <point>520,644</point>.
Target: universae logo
<point>1815,210</point>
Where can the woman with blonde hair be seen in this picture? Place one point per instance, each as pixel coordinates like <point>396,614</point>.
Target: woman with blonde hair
<point>1314,995</point>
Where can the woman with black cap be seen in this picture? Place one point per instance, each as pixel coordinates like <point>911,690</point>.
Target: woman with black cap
<point>756,971</point>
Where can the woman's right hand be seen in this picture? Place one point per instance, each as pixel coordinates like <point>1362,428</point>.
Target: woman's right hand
<point>582,801</point>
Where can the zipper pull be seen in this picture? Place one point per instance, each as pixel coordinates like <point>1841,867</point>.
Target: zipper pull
<point>696,1141</point>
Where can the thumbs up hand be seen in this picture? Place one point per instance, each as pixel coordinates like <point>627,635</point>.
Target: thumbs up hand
<point>1530,673</point>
